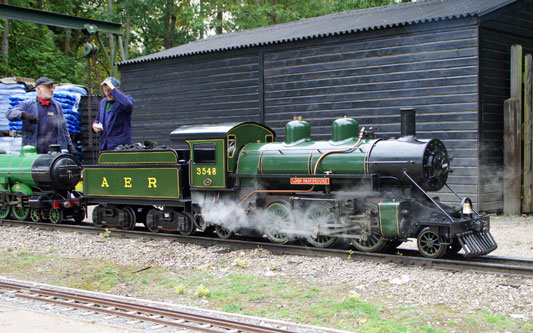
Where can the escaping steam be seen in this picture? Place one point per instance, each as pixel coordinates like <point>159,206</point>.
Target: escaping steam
<point>246,217</point>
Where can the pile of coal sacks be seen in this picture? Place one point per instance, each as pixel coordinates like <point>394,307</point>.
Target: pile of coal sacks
<point>7,90</point>
<point>9,143</point>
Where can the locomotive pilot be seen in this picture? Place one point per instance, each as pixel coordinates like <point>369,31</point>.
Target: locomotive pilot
<point>43,122</point>
<point>113,121</point>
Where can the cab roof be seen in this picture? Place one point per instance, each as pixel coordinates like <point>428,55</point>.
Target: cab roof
<point>210,131</point>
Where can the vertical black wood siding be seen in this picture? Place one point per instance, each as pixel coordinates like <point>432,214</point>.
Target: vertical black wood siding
<point>496,37</point>
<point>195,90</point>
<point>89,155</point>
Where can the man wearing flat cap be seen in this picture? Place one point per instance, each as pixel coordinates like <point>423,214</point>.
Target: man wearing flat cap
<point>43,122</point>
<point>113,121</point>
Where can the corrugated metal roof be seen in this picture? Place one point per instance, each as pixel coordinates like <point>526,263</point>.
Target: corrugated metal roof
<point>334,24</point>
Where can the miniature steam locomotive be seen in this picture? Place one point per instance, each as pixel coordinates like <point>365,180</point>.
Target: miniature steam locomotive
<point>40,186</point>
<point>371,193</point>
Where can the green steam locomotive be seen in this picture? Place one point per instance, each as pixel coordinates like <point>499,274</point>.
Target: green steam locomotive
<point>40,186</point>
<point>371,193</point>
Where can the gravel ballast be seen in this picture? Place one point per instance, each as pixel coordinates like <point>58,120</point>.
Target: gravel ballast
<point>440,296</point>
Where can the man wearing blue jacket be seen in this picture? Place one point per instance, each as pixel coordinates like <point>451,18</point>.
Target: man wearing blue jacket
<point>113,121</point>
<point>43,122</point>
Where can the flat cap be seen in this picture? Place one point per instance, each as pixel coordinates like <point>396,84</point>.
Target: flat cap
<point>113,80</point>
<point>43,80</point>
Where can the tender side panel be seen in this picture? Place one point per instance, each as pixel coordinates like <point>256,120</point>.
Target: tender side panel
<point>138,182</point>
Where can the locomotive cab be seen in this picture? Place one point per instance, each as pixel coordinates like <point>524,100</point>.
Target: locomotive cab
<point>215,148</point>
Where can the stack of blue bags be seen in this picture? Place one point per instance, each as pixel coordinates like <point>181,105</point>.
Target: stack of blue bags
<point>68,96</point>
<point>7,90</point>
<point>15,100</point>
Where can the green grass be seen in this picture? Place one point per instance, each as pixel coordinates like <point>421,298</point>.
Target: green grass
<point>240,290</point>
<point>499,320</point>
<point>232,307</point>
<point>351,307</point>
<point>145,280</point>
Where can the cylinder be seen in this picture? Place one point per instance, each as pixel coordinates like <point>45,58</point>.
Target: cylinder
<point>408,122</point>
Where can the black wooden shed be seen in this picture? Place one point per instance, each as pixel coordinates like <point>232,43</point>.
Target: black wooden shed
<point>448,59</point>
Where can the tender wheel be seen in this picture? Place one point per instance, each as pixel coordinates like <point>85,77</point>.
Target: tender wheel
<point>223,232</point>
<point>190,227</point>
<point>152,220</point>
<point>4,211</point>
<point>277,221</point>
<point>317,218</point>
<point>98,213</point>
<point>368,235</point>
<point>429,244</point>
<point>36,215</point>
<point>131,221</point>
<point>56,215</point>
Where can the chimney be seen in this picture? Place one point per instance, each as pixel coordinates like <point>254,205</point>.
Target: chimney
<point>408,122</point>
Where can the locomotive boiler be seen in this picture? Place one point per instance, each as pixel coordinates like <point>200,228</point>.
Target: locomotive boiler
<point>40,186</point>
<point>355,188</point>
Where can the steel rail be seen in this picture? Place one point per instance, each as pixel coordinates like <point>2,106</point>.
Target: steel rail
<point>486,264</point>
<point>146,313</point>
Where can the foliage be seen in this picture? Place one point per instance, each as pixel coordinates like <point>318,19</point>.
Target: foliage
<point>148,27</point>
<point>202,291</point>
<point>180,289</point>
<point>105,234</point>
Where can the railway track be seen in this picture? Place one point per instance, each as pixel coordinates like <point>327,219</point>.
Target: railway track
<point>157,315</point>
<point>487,264</point>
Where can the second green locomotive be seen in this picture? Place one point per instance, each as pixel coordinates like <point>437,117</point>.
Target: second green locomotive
<point>40,187</point>
<point>369,192</point>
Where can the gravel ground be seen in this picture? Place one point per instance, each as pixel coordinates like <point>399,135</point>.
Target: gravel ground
<point>389,285</point>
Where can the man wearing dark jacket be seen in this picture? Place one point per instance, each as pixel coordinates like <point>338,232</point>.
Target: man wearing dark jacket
<point>114,116</point>
<point>43,122</point>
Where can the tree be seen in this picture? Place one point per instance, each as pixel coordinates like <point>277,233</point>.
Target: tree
<point>5,40</point>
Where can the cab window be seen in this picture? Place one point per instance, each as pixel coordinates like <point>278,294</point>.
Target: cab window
<point>204,153</point>
<point>231,145</point>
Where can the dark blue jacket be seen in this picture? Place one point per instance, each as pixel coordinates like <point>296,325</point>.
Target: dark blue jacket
<point>30,132</point>
<point>118,129</point>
